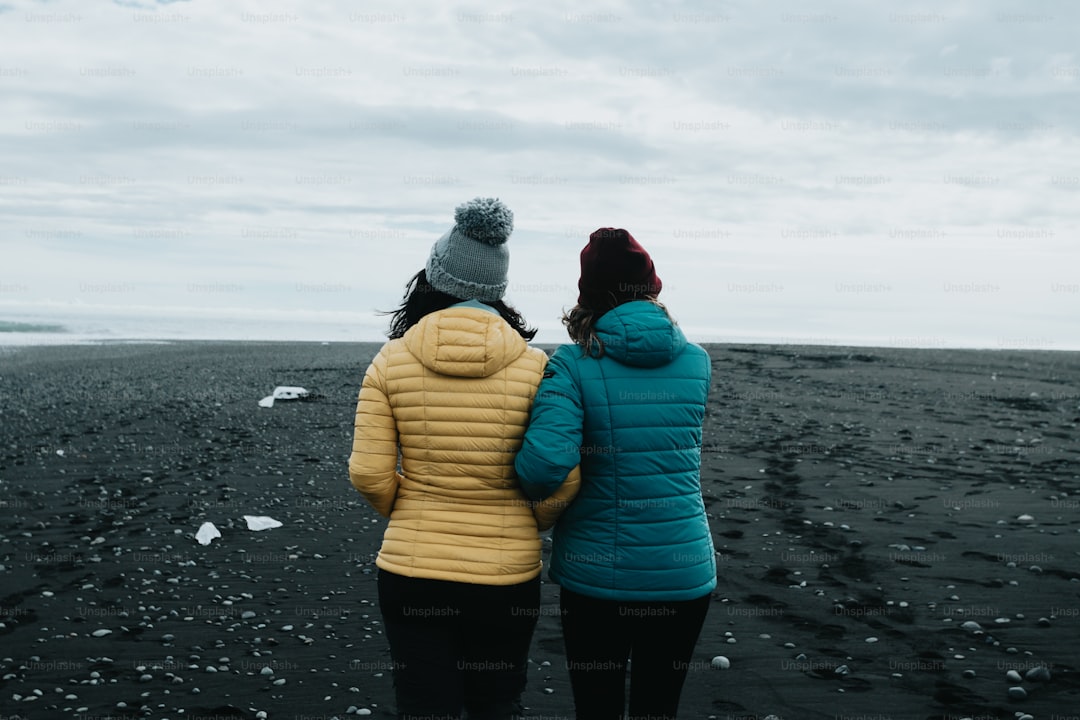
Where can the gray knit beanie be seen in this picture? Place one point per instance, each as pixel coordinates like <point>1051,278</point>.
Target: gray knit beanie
<point>471,260</point>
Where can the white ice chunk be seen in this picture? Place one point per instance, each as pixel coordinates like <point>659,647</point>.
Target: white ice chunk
<point>207,532</point>
<point>283,392</point>
<point>261,522</point>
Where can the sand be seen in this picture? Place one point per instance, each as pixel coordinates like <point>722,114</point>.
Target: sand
<point>897,530</point>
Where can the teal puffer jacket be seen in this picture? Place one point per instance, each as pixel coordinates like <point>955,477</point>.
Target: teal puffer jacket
<point>632,419</point>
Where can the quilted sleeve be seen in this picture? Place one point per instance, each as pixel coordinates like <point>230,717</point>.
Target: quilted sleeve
<point>373,463</point>
<point>552,446</point>
<point>547,511</point>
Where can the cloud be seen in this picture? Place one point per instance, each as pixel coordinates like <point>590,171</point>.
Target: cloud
<point>750,147</point>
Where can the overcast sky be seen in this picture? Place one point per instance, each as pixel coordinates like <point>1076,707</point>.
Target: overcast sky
<point>903,174</point>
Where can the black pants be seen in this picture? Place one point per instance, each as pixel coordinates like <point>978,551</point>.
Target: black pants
<point>458,646</point>
<point>601,635</point>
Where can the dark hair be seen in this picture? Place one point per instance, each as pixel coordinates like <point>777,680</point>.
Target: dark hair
<point>580,322</point>
<point>421,299</point>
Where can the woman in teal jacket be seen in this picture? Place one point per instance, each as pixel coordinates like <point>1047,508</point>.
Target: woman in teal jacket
<point>633,553</point>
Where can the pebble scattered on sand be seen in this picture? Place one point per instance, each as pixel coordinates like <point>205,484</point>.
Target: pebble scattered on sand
<point>1038,674</point>
<point>146,593</point>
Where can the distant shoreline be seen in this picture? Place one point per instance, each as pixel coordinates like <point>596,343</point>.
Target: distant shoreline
<point>851,351</point>
<point>11,326</point>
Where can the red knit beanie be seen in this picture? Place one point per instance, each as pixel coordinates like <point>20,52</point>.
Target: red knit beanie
<point>615,269</point>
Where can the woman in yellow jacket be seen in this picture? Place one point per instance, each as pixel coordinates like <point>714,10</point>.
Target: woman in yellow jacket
<point>441,415</point>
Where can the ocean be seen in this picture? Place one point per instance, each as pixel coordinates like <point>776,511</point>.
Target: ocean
<point>87,324</point>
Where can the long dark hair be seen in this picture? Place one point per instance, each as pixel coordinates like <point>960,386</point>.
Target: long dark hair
<point>421,299</point>
<point>580,322</point>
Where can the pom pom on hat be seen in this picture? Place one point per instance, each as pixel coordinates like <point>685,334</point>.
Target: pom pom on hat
<point>485,219</point>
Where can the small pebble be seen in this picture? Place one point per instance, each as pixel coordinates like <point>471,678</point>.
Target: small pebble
<point>1038,674</point>
<point>1013,676</point>
<point>101,633</point>
<point>720,662</point>
<point>1017,693</point>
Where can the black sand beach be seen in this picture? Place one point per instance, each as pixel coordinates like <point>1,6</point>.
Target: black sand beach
<point>897,531</point>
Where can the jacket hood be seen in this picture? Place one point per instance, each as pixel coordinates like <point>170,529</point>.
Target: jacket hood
<point>464,342</point>
<point>640,333</point>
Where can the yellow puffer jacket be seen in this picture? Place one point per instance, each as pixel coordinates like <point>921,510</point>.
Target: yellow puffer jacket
<point>453,395</point>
